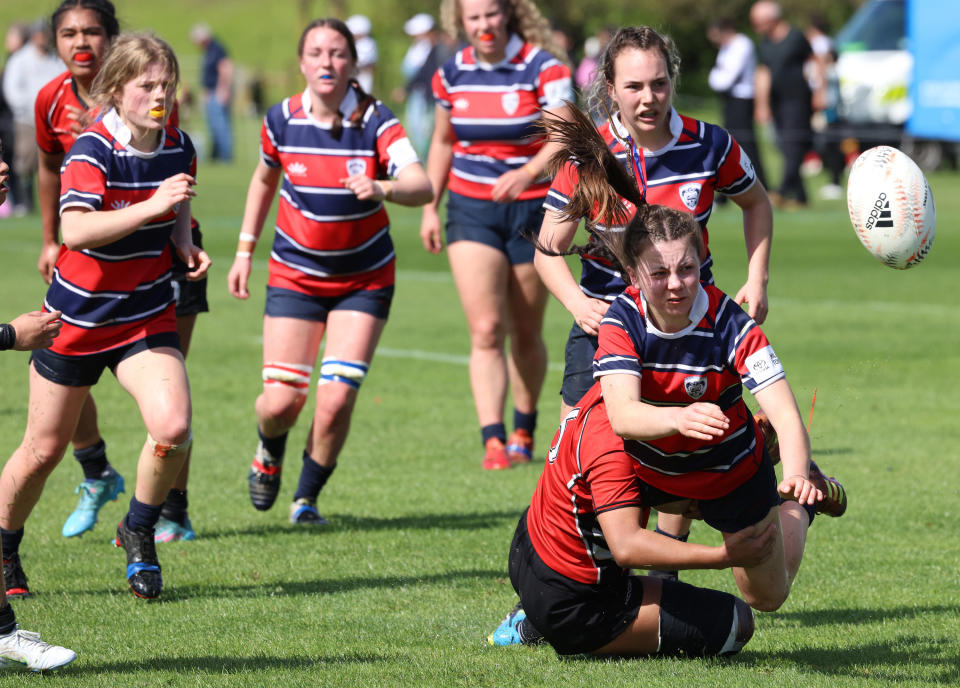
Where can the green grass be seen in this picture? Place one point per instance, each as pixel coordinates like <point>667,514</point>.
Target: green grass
<point>411,576</point>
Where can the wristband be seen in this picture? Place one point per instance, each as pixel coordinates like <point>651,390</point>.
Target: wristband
<point>244,254</point>
<point>8,336</point>
<point>246,236</point>
<point>387,189</point>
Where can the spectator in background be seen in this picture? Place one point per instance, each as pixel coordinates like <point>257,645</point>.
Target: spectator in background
<point>17,35</point>
<point>367,52</point>
<point>217,81</point>
<point>822,77</point>
<point>24,75</point>
<point>732,77</point>
<point>422,59</point>
<point>783,95</point>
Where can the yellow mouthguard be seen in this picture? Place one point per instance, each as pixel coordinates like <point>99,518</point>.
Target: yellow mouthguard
<point>157,113</point>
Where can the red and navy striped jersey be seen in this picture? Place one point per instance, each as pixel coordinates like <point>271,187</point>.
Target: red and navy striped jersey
<point>587,472</point>
<point>115,294</point>
<point>711,360</point>
<point>327,241</point>
<point>686,174</point>
<point>494,110</point>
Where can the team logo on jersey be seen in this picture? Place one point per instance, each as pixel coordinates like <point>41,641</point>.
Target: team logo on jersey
<point>461,104</point>
<point>510,102</point>
<point>689,194</point>
<point>116,205</point>
<point>297,169</point>
<point>695,385</point>
<point>356,166</point>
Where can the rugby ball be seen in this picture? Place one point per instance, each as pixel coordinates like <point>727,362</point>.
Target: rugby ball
<point>891,207</point>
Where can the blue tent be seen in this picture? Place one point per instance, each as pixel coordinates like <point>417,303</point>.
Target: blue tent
<point>933,31</point>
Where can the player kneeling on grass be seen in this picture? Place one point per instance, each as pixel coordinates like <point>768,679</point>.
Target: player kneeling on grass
<point>126,186</point>
<point>666,427</point>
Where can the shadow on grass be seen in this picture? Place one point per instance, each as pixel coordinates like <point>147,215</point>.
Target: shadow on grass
<point>329,586</point>
<point>349,523</point>
<point>830,451</point>
<point>210,664</point>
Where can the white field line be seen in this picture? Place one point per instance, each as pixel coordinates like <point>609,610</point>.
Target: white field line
<point>435,356</point>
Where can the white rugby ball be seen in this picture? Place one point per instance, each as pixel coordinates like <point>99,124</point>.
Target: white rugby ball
<point>891,207</point>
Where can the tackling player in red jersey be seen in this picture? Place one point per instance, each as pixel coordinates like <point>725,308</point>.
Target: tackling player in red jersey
<point>332,263</point>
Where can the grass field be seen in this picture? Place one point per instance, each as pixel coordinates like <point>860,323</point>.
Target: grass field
<point>403,586</point>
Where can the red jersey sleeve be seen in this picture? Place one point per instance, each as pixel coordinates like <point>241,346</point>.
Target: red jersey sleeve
<point>47,139</point>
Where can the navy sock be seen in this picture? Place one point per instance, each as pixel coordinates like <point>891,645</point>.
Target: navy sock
<point>142,516</point>
<point>277,446</point>
<point>313,477</point>
<point>93,460</point>
<point>11,541</point>
<point>175,506</point>
<point>497,430</point>
<point>524,421</point>
<point>8,620</point>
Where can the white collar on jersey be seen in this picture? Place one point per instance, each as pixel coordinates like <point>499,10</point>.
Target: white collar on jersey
<point>699,309</point>
<point>676,127</point>
<point>514,44</point>
<point>347,105</point>
<point>121,132</point>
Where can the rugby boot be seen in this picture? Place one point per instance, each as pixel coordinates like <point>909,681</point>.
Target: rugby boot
<point>143,568</point>
<point>520,447</point>
<point>264,478</point>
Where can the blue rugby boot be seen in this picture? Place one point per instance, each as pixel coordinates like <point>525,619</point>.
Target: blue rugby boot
<point>93,495</point>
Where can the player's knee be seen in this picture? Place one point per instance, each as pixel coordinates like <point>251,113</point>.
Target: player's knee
<point>339,377</point>
<point>285,387</point>
<point>42,454</point>
<point>488,333</point>
<point>698,622</point>
<point>172,448</point>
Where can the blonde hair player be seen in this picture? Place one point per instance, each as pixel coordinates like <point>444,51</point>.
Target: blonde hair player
<point>126,189</point>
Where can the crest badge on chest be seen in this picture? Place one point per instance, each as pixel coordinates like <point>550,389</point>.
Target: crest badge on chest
<point>356,166</point>
<point>690,194</point>
<point>510,102</point>
<point>695,385</point>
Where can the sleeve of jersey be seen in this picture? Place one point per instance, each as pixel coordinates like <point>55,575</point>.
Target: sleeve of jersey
<point>554,85</point>
<point>83,177</point>
<point>613,483</point>
<point>558,197</point>
<point>46,141</point>
<point>191,153</point>
<point>756,361</point>
<point>616,350</point>
<point>736,173</point>
<point>269,148</point>
<point>440,91</point>
<point>394,149</point>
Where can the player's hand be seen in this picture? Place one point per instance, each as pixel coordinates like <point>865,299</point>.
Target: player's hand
<point>755,296</point>
<point>430,230</point>
<point>48,259</point>
<point>510,185</point>
<point>239,277</point>
<point>79,118</point>
<point>36,330</point>
<point>364,188</point>
<point>799,489</point>
<point>171,193</point>
<point>588,313</point>
<point>196,260</point>
<point>702,421</point>
<point>751,546</point>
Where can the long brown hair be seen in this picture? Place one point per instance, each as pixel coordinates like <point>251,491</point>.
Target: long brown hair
<point>128,57</point>
<point>603,183</point>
